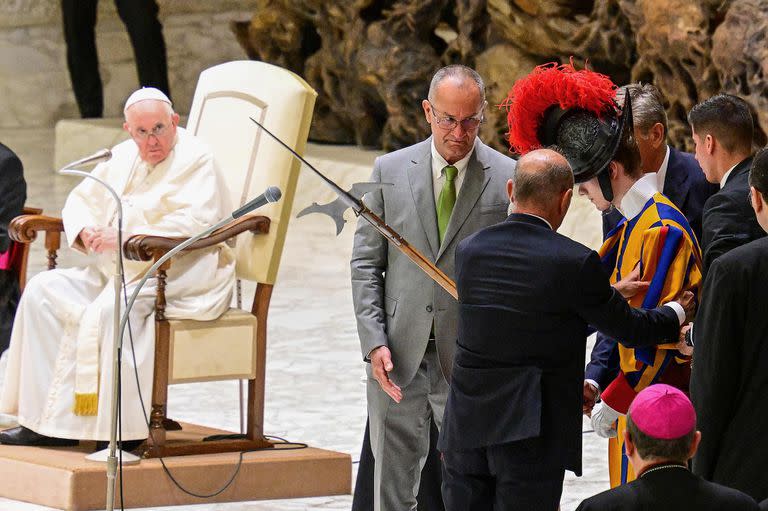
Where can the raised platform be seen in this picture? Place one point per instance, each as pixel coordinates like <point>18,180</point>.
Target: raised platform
<point>62,478</point>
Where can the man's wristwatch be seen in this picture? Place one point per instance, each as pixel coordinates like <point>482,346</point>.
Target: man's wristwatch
<point>688,338</point>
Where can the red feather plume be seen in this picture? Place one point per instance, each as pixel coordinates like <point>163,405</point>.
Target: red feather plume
<point>553,84</point>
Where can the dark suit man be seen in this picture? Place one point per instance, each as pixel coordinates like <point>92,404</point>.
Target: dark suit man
<point>512,423</point>
<point>679,178</point>
<point>730,374</point>
<point>722,131</point>
<point>13,194</point>
<point>661,437</point>
<point>443,189</point>
<point>145,32</point>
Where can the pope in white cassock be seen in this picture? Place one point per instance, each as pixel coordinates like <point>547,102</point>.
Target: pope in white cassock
<point>58,379</point>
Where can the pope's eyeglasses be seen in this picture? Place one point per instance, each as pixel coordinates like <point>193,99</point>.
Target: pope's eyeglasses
<point>156,132</point>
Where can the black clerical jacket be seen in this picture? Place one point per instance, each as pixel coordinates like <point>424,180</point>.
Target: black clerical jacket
<point>669,489</point>
<point>13,194</point>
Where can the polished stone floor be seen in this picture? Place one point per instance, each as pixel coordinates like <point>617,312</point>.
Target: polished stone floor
<point>314,387</point>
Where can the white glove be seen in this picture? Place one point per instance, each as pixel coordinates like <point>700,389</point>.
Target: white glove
<point>604,420</point>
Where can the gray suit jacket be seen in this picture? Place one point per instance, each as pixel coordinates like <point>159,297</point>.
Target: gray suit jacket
<point>395,302</point>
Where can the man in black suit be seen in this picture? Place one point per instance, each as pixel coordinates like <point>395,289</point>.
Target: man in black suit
<point>729,380</point>
<point>722,131</point>
<point>13,194</point>
<point>527,294</point>
<point>146,34</point>
<point>679,178</point>
<point>661,437</point>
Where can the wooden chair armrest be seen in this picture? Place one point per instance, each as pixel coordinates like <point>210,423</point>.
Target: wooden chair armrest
<point>142,247</point>
<point>24,228</point>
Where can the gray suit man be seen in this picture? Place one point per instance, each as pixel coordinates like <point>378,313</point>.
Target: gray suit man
<point>444,189</point>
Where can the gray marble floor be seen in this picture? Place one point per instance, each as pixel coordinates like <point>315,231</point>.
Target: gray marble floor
<point>314,383</point>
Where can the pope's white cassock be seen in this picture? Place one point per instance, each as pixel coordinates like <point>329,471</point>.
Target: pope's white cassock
<point>62,338</point>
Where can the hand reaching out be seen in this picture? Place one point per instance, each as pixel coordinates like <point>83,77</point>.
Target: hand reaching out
<point>630,285</point>
<point>687,300</point>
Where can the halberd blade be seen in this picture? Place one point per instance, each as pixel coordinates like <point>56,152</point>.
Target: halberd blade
<point>334,209</point>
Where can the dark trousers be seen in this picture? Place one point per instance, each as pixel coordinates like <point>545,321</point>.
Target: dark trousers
<point>145,32</point>
<point>429,490</point>
<point>501,478</point>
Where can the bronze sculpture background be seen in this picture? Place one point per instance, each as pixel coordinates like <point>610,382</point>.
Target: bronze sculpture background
<point>371,60</point>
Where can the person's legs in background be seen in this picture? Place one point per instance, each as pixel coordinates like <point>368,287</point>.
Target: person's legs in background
<point>79,18</point>
<point>146,33</point>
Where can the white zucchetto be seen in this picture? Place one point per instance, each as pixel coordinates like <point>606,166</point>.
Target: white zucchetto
<point>144,94</point>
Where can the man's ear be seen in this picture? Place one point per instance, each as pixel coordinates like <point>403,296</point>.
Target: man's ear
<point>694,444</point>
<point>511,190</point>
<point>565,201</point>
<point>629,447</point>
<point>657,135</point>
<point>427,110</point>
<point>125,126</point>
<point>709,143</point>
<point>757,199</point>
<point>614,168</point>
<point>175,119</point>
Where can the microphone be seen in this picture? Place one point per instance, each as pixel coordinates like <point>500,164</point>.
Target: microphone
<point>98,156</point>
<point>271,194</point>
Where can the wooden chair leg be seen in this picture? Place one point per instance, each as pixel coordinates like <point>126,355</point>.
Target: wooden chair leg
<point>157,418</point>
<point>260,308</point>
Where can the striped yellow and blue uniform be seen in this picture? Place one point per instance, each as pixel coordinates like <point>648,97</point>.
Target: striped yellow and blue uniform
<point>662,242</point>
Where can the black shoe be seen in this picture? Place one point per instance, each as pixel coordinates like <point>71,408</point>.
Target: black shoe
<point>25,436</point>
<point>128,445</point>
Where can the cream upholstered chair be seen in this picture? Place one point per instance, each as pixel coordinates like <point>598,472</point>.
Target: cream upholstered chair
<point>234,346</point>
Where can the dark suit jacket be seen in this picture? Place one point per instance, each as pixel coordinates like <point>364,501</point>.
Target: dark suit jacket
<point>729,380</point>
<point>672,489</point>
<point>13,192</point>
<point>729,220</point>
<point>526,297</point>
<point>688,189</point>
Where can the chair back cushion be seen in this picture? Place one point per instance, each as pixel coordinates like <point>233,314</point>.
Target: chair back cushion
<point>226,96</point>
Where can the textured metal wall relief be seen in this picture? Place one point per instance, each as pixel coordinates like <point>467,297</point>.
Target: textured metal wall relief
<point>371,60</point>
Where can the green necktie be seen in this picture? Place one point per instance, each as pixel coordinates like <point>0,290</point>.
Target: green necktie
<point>446,200</point>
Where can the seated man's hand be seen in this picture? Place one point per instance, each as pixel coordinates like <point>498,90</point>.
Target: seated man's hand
<point>104,239</point>
<point>687,300</point>
<point>682,346</point>
<point>630,285</point>
<point>590,397</point>
<point>604,420</point>
<point>381,365</point>
<point>86,236</point>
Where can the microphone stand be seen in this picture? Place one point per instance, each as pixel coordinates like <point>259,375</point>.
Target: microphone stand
<point>109,454</point>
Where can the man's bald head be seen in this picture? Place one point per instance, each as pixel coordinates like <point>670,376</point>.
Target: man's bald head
<point>542,185</point>
<point>541,176</point>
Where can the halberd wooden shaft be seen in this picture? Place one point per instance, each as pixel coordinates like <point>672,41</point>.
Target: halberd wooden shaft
<point>413,254</point>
